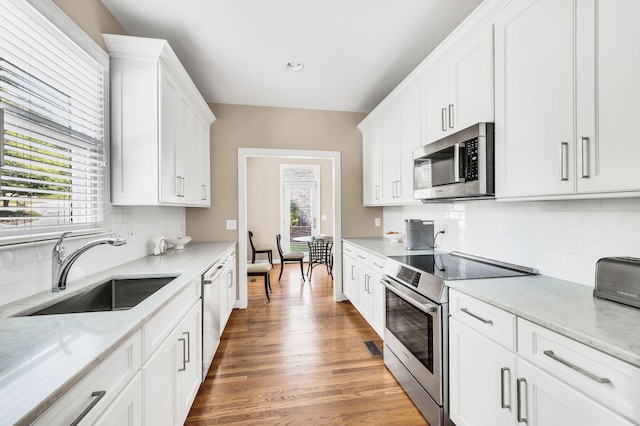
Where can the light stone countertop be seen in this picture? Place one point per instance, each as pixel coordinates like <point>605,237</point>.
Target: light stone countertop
<point>565,307</point>
<point>43,357</point>
<point>384,247</point>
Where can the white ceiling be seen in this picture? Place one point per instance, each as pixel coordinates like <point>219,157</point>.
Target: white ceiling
<point>354,51</point>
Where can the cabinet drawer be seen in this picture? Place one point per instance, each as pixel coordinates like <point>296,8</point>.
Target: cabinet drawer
<point>377,263</point>
<point>491,322</point>
<point>348,250</point>
<point>362,256</point>
<point>110,377</point>
<point>608,380</point>
<point>159,327</point>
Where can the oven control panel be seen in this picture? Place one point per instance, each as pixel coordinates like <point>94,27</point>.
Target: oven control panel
<point>408,276</point>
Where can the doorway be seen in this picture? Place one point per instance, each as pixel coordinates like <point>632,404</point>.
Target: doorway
<point>335,228</point>
<point>300,210</point>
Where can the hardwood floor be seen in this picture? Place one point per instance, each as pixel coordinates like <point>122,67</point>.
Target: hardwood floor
<point>299,360</point>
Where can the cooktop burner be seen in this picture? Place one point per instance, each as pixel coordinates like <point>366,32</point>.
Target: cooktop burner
<point>427,273</point>
<point>450,267</point>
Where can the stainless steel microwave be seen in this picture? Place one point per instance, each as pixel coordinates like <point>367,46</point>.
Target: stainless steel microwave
<point>459,166</point>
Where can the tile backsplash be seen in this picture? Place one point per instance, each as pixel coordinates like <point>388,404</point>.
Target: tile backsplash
<point>563,239</point>
<point>27,271</point>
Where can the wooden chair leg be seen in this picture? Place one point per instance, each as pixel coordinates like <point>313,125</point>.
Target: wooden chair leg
<point>281,268</point>
<point>271,258</point>
<point>266,286</point>
<point>302,269</point>
<point>253,257</point>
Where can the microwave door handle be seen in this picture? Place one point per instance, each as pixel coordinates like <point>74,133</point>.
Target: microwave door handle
<point>457,162</point>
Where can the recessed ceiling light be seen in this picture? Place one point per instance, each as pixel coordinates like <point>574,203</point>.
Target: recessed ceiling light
<point>295,65</point>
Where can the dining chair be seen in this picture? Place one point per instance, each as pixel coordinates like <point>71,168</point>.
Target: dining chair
<point>260,249</point>
<point>320,254</point>
<point>261,270</point>
<point>291,257</point>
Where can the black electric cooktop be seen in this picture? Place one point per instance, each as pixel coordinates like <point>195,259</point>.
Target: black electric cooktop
<point>451,267</point>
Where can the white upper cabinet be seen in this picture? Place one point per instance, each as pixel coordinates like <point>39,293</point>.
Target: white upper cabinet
<point>159,127</point>
<point>608,158</point>
<point>458,92</point>
<point>388,144</point>
<point>566,98</point>
<point>371,156</point>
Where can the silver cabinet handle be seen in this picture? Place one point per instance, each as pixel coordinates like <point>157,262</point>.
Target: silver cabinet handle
<point>564,160</point>
<point>230,279</point>
<point>585,157</point>
<point>444,119</point>
<point>451,116</point>
<point>184,354</point>
<point>98,395</point>
<point>582,371</point>
<point>502,371</point>
<point>362,257</point>
<point>377,192</point>
<point>366,283</point>
<point>1,137</point>
<point>466,311</point>
<point>206,282</point>
<point>188,345</point>
<point>204,192</point>
<point>353,269</point>
<point>519,399</point>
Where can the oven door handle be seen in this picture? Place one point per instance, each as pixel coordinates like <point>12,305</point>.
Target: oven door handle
<point>424,307</point>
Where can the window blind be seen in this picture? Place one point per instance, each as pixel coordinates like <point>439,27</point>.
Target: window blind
<point>52,113</point>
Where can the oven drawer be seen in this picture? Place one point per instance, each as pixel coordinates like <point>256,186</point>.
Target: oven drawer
<point>491,322</point>
<point>606,379</point>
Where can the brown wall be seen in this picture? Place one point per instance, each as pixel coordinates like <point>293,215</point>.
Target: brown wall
<point>263,197</point>
<point>242,126</point>
<point>93,17</point>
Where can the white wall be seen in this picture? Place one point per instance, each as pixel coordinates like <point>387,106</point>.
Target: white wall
<point>563,239</point>
<point>27,271</point>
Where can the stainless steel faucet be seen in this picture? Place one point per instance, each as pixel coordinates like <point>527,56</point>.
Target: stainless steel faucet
<point>62,263</point>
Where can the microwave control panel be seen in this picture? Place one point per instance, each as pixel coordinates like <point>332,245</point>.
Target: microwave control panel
<point>471,172</point>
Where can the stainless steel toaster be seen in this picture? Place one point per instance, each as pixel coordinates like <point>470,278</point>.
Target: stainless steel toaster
<point>618,279</point>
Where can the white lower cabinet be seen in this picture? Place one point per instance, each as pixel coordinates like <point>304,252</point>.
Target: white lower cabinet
<point>480,376</point>
<point>100,392</point>
<point>549,380</point>
<point>362,273</point>
<point>126,410</point>
<point>545,400</point>
<point>227,288</point>
<point>171,376</point>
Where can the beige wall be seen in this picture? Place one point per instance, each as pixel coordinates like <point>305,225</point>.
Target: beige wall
<point>263,197</point>
<point>93,17</point>
<point>241,126</point>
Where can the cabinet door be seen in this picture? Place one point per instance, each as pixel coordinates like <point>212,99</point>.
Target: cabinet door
<point>390,156</point>
<point>371,155</point>
<point>126,409</point>
<point>534,104</point>
<point>231,283</point>
<point>189,371</point>
<point>481,379</point>
<point>365,293</point>
<point>159,382</point>
<point>471,82</point>
<point>199,163</point>
<point>435,104</point>
<point>546,401</point>
<point>184,148</point>
<point>409,142</point>
<point>169,101</point>
<point>378,304</point>
<point>609,161</point>
<point>350,279</point>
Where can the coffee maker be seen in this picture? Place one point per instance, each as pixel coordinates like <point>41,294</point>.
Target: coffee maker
<point>419,234</point>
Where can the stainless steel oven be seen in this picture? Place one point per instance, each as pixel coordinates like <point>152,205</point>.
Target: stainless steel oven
<point>416,346</point>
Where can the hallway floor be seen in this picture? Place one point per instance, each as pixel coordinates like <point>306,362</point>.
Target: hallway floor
<point>299,359</point>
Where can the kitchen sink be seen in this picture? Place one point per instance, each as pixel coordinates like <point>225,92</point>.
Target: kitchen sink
<point>114,295</point>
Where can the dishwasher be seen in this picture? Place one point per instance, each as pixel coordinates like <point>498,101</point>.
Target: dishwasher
<point>211,282</point>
